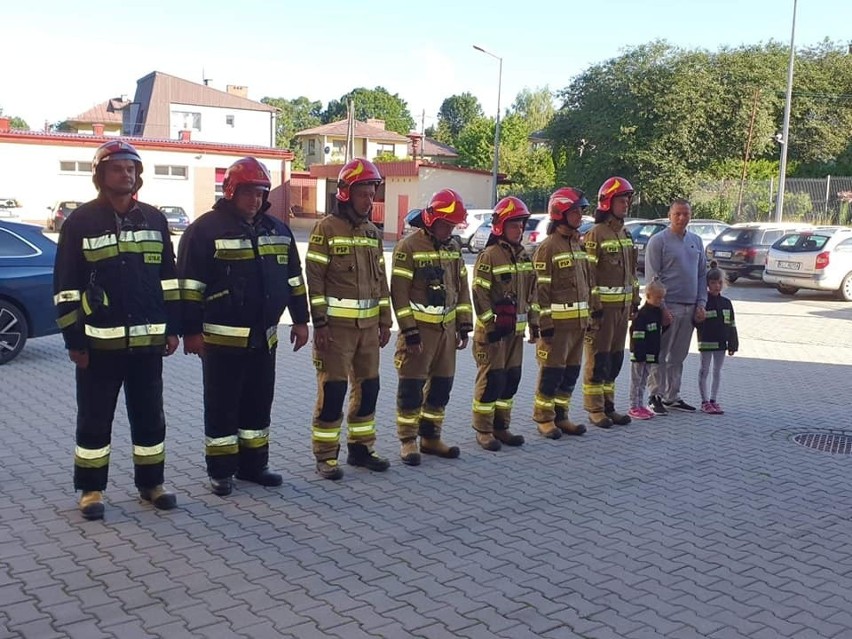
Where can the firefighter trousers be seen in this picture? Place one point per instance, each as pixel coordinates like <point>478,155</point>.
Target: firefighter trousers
<point>604,358</point>
<point>350,359</point>
<point>498,373</point>
<point>558,370</point>
<point>98,385</point>
<point>238,389</point>
<point>425,382</point>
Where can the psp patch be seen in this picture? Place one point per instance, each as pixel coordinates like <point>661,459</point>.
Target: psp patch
<point>318,364</point>
<point>153,258</point>
<point>540,266</point>
<point>484,268</point>
<point>342,250</point>
<point>317,239</point>
<point>591,246</point>
<point>400,256</point>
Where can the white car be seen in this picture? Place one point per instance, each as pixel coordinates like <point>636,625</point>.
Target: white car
<point>480,238</point>
<point>818,259</point>
<point>464,231</point>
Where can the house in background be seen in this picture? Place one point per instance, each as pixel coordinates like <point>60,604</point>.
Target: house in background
<point>430,150</point>
<point>171,108</point>
<point>102,119</point>
<point>326,144</point>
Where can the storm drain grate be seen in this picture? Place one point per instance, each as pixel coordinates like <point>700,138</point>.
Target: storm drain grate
<point>835,443</point>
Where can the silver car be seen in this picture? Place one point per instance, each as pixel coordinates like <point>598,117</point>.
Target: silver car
<point>820,260</point>
<point>480,237</point>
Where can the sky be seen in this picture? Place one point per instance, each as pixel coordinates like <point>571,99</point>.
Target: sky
<point>60,58</point>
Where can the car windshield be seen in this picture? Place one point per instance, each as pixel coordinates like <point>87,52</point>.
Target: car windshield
<point>801,242</point>
<point>532,223</point>
<point>735,236</point>
<point>173,212</point>
<point>8,203</point>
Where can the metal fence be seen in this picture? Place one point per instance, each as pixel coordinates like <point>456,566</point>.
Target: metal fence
<point>818,200</point>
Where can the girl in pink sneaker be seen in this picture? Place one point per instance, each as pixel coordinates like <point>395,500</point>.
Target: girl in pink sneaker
<point>645,332</point>
<point>716,334</point>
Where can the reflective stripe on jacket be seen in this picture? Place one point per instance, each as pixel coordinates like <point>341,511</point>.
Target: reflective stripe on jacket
<point>563,281</point>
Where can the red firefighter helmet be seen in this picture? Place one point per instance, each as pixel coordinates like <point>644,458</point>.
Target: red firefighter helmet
<point>509,208</point>
<point>357,171</point>
<point>446,205</point>
<point>566,199</point>
<point>115,150</point>
<point>613,187</point>
<point>247,171</point>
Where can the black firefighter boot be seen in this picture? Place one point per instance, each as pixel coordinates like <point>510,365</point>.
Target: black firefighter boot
<point>617,418</point>
<point>360,455</point>
<point>264,477</point>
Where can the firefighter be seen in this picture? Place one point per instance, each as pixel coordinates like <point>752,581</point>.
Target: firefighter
<point>350,306</point>
<point>431,300</point>
<point>239,270</point>
<point>118,305</point>
<point>562,293</point>
<point>614,300</point>
<point>503,284</point>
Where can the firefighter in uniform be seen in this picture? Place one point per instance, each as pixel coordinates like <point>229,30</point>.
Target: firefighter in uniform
<point>239,270</point>
<point>615,298</point>
<point>118,304</point>
<point>562,293</point>
<point>503,286</point>
<point>350,307</point>
<point>431,299</point>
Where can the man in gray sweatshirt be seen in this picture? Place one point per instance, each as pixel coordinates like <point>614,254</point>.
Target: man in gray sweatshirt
<point>676,258</point>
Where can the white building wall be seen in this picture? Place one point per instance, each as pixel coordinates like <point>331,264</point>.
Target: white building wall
<point>475,188</point>
<point>210,124</point>
<point>37,181</point>
<point>400,150</point>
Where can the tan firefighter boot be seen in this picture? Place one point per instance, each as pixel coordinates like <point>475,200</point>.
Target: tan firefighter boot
<point>549,430</point>
<point>488,442</point>
<point>92,504</point>
<point>409,452</point>
<point>434,446</point>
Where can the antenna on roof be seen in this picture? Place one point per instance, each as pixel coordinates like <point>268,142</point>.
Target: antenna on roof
<point>204,78</point>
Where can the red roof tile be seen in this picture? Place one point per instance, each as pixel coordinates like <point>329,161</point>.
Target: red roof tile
<point>108,112</point>
<point>362,130</point>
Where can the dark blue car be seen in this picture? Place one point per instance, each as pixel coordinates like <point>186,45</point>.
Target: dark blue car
<point>26,287</point>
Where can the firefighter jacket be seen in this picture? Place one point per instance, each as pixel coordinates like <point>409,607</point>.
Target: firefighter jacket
<point>429,285</point>
<point>563,282</point>
<point>503,272</point>
<point>115,286</point>
<point>612,256</point>
<point>718,331</point>
<point>237,277</point>
<point>646,334</point>
<point>345,268</point>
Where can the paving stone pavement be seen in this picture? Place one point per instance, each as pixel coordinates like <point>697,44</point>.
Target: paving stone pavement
<point>685,526</point>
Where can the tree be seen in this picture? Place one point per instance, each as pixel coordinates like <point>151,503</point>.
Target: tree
<point>475,144</point>
<point>528,167</point>
<point>372,103</point>
<point>663,116</point>
<point>16,123</point>
<point>294,115</point>
<point>456,112</point>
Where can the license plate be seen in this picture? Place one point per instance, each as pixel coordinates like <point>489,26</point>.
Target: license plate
<point>640,246</point>
<point>722,254</point>
<point>790,266</point>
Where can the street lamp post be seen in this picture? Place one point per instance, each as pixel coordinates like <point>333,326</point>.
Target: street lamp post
<point>785,135</point>
<point>497,127</point>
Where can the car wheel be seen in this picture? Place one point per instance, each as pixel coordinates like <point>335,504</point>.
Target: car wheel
<point>13,331</point>
<point>731,277</point>
<point>787,290</point>
<point>845,290</point>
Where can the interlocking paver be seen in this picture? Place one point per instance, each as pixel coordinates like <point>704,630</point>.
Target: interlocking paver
<point>681,527</point>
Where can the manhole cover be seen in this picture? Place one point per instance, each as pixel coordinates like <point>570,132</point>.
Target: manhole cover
<point>835,443</point>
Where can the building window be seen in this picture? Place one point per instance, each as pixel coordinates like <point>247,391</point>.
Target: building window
<point>70,166</point>
<point>187,120</point>
<point>312,147</point>
<point>385,149</point>
<point>229,120</point>
<point>167,171</point>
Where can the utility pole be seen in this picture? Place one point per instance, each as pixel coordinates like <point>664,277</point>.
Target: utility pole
<point>785,135</point>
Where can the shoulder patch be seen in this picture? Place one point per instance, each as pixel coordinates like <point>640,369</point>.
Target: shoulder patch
<point>540,266</point>
<point>591,246</point>
<point>316,239</point>
<point>485,268</point>
<point>400,256</point>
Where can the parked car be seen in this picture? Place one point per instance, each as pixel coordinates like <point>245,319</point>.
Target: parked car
<point>60,212</point>
<point>641,231</point>
<point>818,260</point>
<point>177,218</point>
<point>707,230</point>
<point>740,251</point>
<point>480,238</point>
<point>10,209</point>
<point>464,231</point>
<point>536,230</point>
<point>26,287</point>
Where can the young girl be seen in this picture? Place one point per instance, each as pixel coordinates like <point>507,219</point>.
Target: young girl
<point>716,334</point>
<point>645,332</point>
